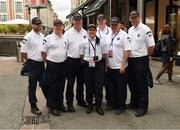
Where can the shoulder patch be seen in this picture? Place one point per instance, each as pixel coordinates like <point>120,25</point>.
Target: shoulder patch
<point>148,32</point>
<point>24,41</point>
<point>44,40</point>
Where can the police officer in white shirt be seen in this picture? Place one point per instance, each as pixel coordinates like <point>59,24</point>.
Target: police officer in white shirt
<point>92,50</point>
<point>74,37</point>
<point>118,48</point>
<point>104,32</point>
<point>31,50</point>
<point>55,53</point>
<point>142,43</point>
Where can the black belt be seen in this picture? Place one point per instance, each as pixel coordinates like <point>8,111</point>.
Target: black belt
<point>30,60</point>
<point>54,62</point>
<point>73,58</point>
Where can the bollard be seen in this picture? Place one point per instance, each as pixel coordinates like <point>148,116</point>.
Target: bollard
<point>19,58</point>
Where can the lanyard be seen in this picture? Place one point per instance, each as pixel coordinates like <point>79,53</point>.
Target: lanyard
<point>107,31</point>
<point>94,47</point>
<point>114,38</point>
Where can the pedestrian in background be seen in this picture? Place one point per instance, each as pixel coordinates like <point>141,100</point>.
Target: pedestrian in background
<point>142,45</point>
<point>92,51</point>
<point>104,33</point>
<point>118,48</point>
<point>166,47</point>
<point>31,51</point>
<point>74,37</point>
<point>55,54</point>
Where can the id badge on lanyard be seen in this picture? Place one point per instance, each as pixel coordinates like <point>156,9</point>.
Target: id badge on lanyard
<point>92,63</point>
<point>110,52</point>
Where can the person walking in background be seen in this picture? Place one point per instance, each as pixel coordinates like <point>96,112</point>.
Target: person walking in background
<point>166,47</point>
<point>31,51</point>
<point>118,48</point>
<point>104,33</point>
<point>92,51</point>
<point>142,46</point>
<point>55,54</point>
<point>74,37</point>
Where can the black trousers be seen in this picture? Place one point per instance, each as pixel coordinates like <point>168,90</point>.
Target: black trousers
<point>107,87</point>
<point>56,77</point>
<point>94,81</point>
<point>36,69</point>
<point>137,81</point>
<point>74,71</point>
<point>118,88</point>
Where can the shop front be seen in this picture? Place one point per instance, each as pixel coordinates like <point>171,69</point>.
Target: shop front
<point>160,12</point>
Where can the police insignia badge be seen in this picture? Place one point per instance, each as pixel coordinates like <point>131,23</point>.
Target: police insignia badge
<point>138,35</point>
<point>118,38</point>
<point>84,37</point>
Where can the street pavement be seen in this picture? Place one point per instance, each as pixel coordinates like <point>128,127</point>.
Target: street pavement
<point>164,105</point>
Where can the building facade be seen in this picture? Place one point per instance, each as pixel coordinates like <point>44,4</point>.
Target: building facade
<point>13,9</point>
<point>47,14</point>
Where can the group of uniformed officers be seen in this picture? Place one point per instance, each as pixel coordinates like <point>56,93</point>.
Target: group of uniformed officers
<point>101,56</point>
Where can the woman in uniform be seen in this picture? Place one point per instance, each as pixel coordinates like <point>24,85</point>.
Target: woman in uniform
<point>92,51</point>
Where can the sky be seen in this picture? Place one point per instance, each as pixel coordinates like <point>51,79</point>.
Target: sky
<point>62,8</point>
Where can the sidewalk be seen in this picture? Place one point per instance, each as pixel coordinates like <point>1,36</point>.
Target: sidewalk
<point>158,64</point>
<point>163,109</point>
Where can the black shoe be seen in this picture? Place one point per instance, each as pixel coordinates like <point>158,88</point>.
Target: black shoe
<point>89,109</point>
<point>120,110</point>
<point>36,111</point>
<point>140,112</point>
<point>82,104</point>
<point>99,110</point>
<point>131,106</point>
<point>70,109</point>
<point>62,108</point>
<point>54,112</point>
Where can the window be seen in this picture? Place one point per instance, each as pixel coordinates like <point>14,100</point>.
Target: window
<point>3,17</point>
<point>150,14</point>
<point>18,6</point>
<point>3,7</point>
<point>19,17</point>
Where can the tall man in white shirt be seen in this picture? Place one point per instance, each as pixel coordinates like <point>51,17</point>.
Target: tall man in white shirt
<point>31,51</point>
<point>74,37</point>
<point>142,45</point>
<point>104,32</point>
<point>55,54</point>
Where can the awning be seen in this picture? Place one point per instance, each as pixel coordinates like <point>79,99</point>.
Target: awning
<point>79,7</point>
<point>95,6</point>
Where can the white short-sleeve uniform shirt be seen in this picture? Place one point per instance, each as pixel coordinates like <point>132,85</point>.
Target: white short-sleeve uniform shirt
<point>141,38</point>
<point>55,47</point>
<point>32,45</point>
<point>89,49</point>
<point>120,44</point>
<point>73,40</point>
